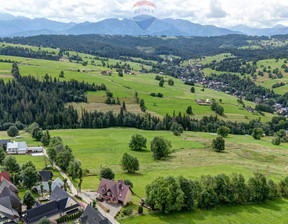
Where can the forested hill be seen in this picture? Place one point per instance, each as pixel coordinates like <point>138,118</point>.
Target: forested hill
<point>148,47</point>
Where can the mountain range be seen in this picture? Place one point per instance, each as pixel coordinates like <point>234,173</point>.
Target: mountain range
<point>11,26</point>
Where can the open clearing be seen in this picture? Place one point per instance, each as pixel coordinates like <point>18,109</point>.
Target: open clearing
<point>176,98</point>
<point>192,158</point>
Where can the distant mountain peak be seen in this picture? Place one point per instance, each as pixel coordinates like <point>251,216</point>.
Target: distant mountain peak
<point>21,26</point>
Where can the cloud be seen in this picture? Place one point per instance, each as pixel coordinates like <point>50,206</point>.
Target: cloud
<point>216,10</point>
<point>224,13</point>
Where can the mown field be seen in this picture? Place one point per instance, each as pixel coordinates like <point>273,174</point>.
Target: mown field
<point>192,155</point>
<point>192,158</point>
<point>270,212</point>
<point>176,98</point>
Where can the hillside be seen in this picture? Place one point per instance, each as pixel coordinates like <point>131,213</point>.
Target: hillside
<point>95,95</point>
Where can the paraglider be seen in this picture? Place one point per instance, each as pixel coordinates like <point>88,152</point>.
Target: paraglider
<point>144,14</point>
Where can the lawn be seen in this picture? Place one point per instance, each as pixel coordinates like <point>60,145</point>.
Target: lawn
<point>192,157</point>
<point>176,98</point>
<point>270,212</point>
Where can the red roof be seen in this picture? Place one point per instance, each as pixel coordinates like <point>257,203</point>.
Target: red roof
<point>118,189</point>
<point>4,175</point>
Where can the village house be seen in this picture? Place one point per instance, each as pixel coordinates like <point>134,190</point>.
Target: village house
<point>5,183</point>
<point>7,213</point>
<point>21,148</point>
<point>4,142</point>
<point>115,192</point>
<point>61,204</point>
<point>56,183</point>
<point>250,109</point>
<point>203,102</point>
<point>45,175</point>
<point>91,215</point>
<point>4,175</point>
<point>10,204</point>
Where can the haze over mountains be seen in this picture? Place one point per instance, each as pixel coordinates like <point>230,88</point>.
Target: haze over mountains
<point>21,26</point>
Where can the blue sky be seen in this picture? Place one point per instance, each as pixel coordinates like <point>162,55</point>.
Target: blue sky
<point>225,13</point>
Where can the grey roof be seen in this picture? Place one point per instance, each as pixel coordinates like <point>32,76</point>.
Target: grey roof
<point>4,141</point>
<point>5,183</point>
<point>7,210</point>
<point>49,209</point>
<point>56,183</point>
<point>91,215</point>
<point>15,201</point>
<point>58,194</point>
<point>45,175</point>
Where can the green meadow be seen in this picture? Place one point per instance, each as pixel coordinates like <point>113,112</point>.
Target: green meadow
<point>176,98</point>
<point>270,212</point>
<point>192,157</point>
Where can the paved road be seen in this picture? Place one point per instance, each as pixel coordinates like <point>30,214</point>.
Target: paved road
<point>84,197</point>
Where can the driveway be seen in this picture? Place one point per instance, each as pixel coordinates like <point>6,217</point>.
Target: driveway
<point>114,209</point>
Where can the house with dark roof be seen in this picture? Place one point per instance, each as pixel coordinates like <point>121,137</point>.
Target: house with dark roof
<point>4,141</point>
<point>56,183</point>
<point>115,192</point>
<point>5,175</point>
<point>7,213</point>
<point>5,183</point>
<point>14,199</point>
<point>91,215</point>
<point>61,204</point>
<point>45,175</point>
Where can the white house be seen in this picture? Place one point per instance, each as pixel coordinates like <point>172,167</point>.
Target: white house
<point>16,148</point>
<point>21,148</point>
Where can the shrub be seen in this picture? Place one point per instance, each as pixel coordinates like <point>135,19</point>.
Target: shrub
<point>276,141</point>
<point>107,173</point>
<point>13,131</point>
<point>140,210</point>
<point>257,133</point>
<point>127,211</point>
<point>218,144</point>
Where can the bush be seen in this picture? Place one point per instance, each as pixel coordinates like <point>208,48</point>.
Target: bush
<point>257,133</point>
<point>127,211</point>
<point>13,131</point>
<point>160,147</point>
<point>138,143</point>
<point>217,108</point>
<point>276,141</point>
<point>128,182</point>
<point>218,144</point>
<point>129,163</point>
<point>223,131</point>
<point>107,173</point>
<point>140,210</point>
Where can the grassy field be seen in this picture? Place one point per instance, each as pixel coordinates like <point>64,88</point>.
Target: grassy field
<point>176,98</point>
<point>39,162</point>
<point>192,158</point>
<point>270,212</point>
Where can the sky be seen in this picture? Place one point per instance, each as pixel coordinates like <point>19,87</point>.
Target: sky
<point>223,13</point>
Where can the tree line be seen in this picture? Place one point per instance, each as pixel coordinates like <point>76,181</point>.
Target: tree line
<point>172,194</point>
<point>25,99</point>
<point>28,53</point>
